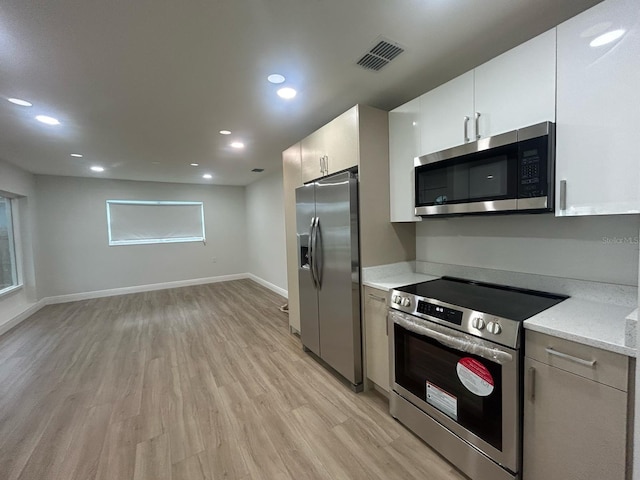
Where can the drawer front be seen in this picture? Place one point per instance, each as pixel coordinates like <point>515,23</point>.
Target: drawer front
<point>589,362</point>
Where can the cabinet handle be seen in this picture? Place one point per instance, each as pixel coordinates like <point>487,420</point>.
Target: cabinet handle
<point>477,116</point>
<point>571,358</point>
<point>386,324</point>
<point>379,299</point>
<point>321,165</point>
<point>563,194</point>
<point>532,384</point>
<point>466,129</point>
<point>326,165</point>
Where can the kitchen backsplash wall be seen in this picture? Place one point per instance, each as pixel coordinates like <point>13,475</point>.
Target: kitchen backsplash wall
<point>601,249</point>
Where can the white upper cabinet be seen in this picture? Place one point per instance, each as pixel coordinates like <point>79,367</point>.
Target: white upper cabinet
<point>313,151</point>
<point>598,111</point>
<point>331,148</point>
<point>514,90</point>
<point>445,113</point>
<point>341,142</point>
<point>404,146</point>
<point>518,88</point>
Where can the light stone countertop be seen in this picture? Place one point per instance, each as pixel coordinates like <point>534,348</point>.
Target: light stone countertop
<point>600,315</point>
<point>601,325</point>
<point>394,281</point>
<point>631,330</point>
<point>386,277</point>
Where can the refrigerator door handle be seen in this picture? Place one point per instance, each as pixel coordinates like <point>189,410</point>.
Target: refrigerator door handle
<point>317,253</point>
<point>311,251</point>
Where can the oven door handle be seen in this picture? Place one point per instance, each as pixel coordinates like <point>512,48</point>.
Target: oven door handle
<point>458,341</point>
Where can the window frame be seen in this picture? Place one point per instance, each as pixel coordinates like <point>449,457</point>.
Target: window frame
<point>13,249</point>
<point>152,241</point>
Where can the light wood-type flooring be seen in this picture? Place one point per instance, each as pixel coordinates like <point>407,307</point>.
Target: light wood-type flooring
<point>194,383</point>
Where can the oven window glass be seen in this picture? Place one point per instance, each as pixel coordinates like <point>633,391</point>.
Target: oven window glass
<point>482,176</point>
<point>425,367</point>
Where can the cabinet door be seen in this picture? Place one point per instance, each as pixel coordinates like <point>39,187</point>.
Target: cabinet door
<point>341,141</point>
<point>597,112</point>
<point>376,339</point>
<point>312,149</point>
<point>518,88</point>
<point>442,114</point>
<point>292,178</point>
<point>404,146</point>
<point>574,428</point>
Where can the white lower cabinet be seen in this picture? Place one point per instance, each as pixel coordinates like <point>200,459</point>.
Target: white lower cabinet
<point>376,338</point>
<point>597,112</point>
<point>575,414</point>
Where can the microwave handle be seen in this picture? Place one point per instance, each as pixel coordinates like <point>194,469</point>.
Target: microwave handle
<point>459,342</point>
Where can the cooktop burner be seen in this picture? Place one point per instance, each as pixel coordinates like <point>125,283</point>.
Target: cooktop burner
<point>508,302</point>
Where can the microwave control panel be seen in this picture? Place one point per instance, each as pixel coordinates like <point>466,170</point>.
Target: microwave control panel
<point>532,159</point>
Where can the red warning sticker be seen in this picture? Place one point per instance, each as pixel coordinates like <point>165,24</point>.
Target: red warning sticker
<point>475,376</point>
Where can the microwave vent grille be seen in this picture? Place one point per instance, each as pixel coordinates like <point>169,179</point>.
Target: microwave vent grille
<point>380,55</point>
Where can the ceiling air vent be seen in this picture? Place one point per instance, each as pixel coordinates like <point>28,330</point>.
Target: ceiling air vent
<point>258,170</point>
<point>380,55</point>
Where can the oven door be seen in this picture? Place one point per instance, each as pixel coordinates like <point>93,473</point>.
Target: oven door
<point>469,385</point>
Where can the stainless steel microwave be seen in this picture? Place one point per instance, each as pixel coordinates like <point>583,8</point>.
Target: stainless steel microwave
<point>509,173</point>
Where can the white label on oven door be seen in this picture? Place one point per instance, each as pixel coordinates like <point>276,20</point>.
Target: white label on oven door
<point>443,401</point>
<point>475,376</point>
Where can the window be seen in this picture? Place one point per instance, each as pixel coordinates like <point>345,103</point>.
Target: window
<point>8,272</point>
<point>141,222</point>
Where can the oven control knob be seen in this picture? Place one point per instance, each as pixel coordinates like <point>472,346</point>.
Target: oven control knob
<point>478,323</point>
<point>406,302</point>
<point>494,327</point>
<point>396,299</point>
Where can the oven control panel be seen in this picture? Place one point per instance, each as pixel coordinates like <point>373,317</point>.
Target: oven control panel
<point>443,313</point>
<point>479,324</point>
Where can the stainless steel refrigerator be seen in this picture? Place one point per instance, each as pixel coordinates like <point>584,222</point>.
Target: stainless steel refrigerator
<point>329,273</point>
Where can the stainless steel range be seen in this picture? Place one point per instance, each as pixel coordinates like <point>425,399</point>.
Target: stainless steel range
<point>456,370</point>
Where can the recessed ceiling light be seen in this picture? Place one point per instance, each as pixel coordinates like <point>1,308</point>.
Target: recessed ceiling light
<point>237,145</point>
<point>76,155</point>
<point>19,101</point>
<point>225,132</point>
<point>194,164</point>
<point>276,78</point>
<point>207,176</point>
<point>97,169</point>
<point>287,93</point>
<point>606,38</point>
<point>47,120</point>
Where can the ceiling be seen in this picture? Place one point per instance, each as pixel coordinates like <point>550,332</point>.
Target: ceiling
<point>143,87</point>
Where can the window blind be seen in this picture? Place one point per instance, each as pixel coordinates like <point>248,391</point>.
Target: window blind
<point>143,222</point>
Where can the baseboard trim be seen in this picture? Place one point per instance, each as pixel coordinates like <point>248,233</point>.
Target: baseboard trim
<point>74,297</point>
<point>269,285</point>
<point>112,292</point>
<point>26,313</point>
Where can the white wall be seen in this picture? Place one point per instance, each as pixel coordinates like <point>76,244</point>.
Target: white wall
<point>541,244</point>
<point>265,231</point>
<point>17,182</point>
<point>74,256</point>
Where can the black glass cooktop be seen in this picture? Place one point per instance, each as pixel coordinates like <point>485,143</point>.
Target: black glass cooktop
<point>507,302</point>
